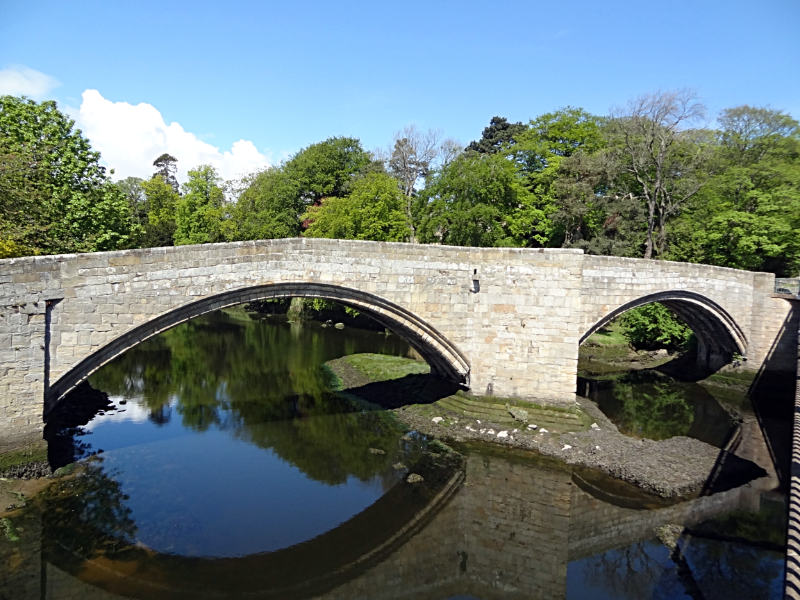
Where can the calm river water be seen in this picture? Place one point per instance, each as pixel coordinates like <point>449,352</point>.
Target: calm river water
<point>225,467</point>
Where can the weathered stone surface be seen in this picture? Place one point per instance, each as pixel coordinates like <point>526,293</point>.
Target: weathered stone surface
<point>63,317</point>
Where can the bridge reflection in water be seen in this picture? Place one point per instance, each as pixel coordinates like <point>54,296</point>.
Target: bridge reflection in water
<point>504,524</point>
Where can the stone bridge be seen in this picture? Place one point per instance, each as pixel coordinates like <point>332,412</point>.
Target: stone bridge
<point>507,322</point>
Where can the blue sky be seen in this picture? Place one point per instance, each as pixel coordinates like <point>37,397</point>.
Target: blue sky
<point>283,75</point>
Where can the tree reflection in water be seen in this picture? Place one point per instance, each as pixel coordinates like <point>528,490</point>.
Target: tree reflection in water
<point>250,378</point>
<point>84,516</point>
<point>699,569</point>
<point>648,404</point>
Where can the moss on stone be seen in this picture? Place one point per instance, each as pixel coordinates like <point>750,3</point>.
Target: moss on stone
<point>33,453</point>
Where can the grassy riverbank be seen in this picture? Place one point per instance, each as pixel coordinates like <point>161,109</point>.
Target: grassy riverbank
<point>394,382</point>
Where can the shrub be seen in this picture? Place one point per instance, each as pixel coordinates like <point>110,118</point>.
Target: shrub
<point>655,326</point>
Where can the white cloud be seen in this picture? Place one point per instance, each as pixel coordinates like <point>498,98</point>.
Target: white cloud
<point>129,138</point>
<point>22,81</point>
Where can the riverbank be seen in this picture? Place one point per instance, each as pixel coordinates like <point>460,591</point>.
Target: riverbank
<point>678,467</point>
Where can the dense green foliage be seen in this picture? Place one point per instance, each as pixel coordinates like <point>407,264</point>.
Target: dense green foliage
<point>373,210</point>
<point>655,326</point>
<point>648,180</point>
<point>199,213</point>
<point>468,202</point>
<point>54,195</point>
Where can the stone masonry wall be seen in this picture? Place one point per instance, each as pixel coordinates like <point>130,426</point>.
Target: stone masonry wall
<point>516,334</point>
<point>610,282</point>
<point>519,331</point>
<point>22,373</point>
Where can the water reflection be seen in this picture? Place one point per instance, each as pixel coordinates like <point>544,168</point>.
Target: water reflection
<point>207,487</point>
<point>515,527</point>
<point>648,404</point>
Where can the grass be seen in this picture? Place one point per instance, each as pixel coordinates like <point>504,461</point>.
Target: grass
<point>612,334</point>
<point>30,454</point>
<point>376,368</point>
<point>237,312</point>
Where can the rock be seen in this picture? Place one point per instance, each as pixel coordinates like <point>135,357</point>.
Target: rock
<point>566,447</point>
<point>669,534</point>
<point>482,431</point>
<point>339,326</point>
<point>595,426</point>
<point>543,431</point>
<point>518,413</point>
<point>437,419</point>
<point>479,421</point>
<point>532,427</point>
<point>414,478</point>
<point>376,451</point>
<point>502,434</point>
<point>490,432</point>
<point>398,466</point>
<point>407,438</point>
<point>661,353</point>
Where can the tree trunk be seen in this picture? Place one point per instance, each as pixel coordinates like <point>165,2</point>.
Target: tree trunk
<point>648,246</point>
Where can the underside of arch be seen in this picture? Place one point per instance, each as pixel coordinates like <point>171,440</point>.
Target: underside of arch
<point>445,359</point>
<point>719,336</point>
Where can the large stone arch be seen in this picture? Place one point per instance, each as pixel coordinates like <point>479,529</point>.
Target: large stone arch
<point>719,336</point>
<point>445,359</point>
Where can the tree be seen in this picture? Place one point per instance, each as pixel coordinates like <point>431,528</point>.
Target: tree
<point>374,210</point>
<point>665,159</point>
<point>538,154</point>
<point>268,206</point>
<point>131,188</point>
<point>325,169</point>
<point>199,213</point>
<point>470,202</point>
<point>56,197</point>
<point>412,158</point>
<point>161,204</point>
<point>499,135</point>
<point>166,168</point>
<point>748,215</point>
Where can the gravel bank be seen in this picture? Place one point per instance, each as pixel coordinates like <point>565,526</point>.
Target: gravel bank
<point>677,467</point>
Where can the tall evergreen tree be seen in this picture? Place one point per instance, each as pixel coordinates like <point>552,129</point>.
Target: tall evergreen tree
<point>500,134</point>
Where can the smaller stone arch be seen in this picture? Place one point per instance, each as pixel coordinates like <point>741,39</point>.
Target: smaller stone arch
<point>444,358</point>
<point>718,335</point>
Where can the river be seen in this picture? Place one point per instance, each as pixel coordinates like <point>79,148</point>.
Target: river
<point>224,466</point>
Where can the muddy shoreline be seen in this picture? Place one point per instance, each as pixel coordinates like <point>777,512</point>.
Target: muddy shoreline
<point>679,467</point>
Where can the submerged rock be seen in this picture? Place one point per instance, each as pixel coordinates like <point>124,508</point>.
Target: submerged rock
<point>669,534</point>
<point>414,478</point>
<point>339,326</point>
<point>376,451</point>
<point>398,466</point>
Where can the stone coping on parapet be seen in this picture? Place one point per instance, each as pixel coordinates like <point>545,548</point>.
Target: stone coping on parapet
<point>285,241</point>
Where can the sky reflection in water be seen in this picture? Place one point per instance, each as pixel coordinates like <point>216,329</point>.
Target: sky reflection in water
<point>212,467</point>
